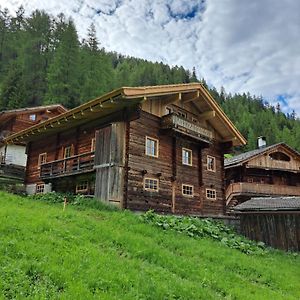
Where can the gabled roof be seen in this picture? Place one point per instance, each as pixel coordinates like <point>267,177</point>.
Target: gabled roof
<point>125,98</point>
<point>245,157</point>
<point>7,114</point>
<point>269,204</point>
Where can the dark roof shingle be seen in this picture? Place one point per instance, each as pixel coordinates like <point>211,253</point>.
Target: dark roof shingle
<point>270,204</point>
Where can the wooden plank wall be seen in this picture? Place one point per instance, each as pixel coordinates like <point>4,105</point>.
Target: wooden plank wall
<point>171,173</point>
<point>278,230</point>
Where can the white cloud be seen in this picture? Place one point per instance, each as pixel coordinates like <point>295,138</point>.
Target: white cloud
<point>241,45</point>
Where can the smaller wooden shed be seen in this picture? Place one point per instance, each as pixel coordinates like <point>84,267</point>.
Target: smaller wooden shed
<point>272,220</point>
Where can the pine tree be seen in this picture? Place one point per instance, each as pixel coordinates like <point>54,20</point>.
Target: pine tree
<point>63,74</point>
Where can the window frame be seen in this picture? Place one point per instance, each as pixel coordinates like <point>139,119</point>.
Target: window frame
<point>149,189</point>
<point>40,188</point>
<point>68,147</point>
<point>82,183</point>
<point>44,154</point>
<point>32,117</point>
<point>157,146</point>
<point>182,114</point>
<point>214,163</point>
<point>189,186</point>
<point>209,190</point>
<point>190,151</point>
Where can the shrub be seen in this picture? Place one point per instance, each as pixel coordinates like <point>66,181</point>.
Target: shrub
<point>201,228</point>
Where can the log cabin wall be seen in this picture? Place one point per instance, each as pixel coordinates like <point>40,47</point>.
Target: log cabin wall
<point>171,173</point>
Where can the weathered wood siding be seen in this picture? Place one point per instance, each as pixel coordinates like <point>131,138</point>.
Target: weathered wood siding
<point>170,171</point>
<point>109,163</point>
<point>278,230</point>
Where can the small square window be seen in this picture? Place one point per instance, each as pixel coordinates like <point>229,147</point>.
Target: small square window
<point>187,190</point>
<point>182,114</point>
<point>82,187</point>
<point>211,163</point>
<point>194,120</point>
<point>151,147</point>
<point>151,184</point>
<point>42,159</point>
<point>187,155</point>
<point>32,117</point>
<point>211,194</point>
<point>40,188</point>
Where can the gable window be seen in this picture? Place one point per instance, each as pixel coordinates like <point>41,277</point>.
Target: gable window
<point>82,186</point>
<point>151,184</point>
<point>279,156</point>
<point>151,147</point>
<point>211,194</point>
<point>187,155</point>
<point>32,117</point>
<point>182,114</point>
<point>42,159</point>
<point>188,190</point>
<point>40,188</point>
<point>93,145</point>
<point>211,163</point>
<point>68,151</point>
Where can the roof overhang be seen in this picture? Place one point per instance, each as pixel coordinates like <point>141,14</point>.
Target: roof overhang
<point>126,98</point>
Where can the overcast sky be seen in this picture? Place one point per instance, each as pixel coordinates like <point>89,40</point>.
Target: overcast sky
<point>239,44</point>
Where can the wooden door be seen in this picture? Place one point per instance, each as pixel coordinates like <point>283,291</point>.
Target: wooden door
<point>109,163</point>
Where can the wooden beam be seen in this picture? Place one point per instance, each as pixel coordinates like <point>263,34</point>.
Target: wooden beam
<point>171,99</point>
<point>229,139</point>
<point>188,97</point>
<point>207,115</point>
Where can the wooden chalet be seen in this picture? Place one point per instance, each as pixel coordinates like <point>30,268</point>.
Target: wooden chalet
<point>272,220</point>
<point>13,157</point>
<point>267,171</point>
<point>156,147</point>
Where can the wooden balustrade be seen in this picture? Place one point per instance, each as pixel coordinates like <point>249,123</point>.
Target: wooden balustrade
<point>68,166</point>
<point>259,189</point>
<point>186,127</point>
<point>12,172</point>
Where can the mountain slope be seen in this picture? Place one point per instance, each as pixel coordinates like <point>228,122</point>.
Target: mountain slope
<point>46,253</point>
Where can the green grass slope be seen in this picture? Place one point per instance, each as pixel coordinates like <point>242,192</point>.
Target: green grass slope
<point>48,253</point>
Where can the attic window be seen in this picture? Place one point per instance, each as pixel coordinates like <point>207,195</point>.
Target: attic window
<point>32,117</point>
<point>279,156</point>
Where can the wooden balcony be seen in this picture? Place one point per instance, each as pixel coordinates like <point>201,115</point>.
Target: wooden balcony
<point>10,172</point>
<point>73,165</point>
<point>248,189</point>
<point>183,126</point>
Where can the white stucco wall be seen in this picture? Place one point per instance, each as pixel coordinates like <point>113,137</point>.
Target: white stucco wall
<point>15,154</point>
<point>31,188</point>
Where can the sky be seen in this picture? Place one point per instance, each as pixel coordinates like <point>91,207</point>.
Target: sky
<point>244,46</point>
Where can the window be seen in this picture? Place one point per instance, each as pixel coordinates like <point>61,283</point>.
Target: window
<point>32,117</point>
<point>93,145</point>
<point>68,151</point>
<point>194,120</point>
<point>82,186</point>
<point>182,114</point>
<point>151,184</point>
<point>279,156</point>
<point>187,155</point>
<point>151,147</point>
<point>211,163</point>
<point>187,190</point>
<point>211,194</point>
<point>40,188</point>
<point>42,159</point>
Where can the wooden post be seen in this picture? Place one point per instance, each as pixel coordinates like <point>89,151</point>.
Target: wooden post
<point>65,203</point>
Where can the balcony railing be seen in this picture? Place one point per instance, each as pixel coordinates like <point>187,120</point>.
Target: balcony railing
<point>77,164</point>
<point>184,126</point>
<point>260,189</point>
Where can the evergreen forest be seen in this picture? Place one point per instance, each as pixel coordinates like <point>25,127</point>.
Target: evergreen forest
<point>43,61</point>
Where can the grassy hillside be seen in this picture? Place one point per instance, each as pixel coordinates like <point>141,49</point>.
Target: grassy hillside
<point>85,253</point>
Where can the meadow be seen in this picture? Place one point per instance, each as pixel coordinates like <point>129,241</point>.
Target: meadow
<point>102,253</point>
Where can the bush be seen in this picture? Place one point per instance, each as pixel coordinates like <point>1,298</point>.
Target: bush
<point>199,228</point>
